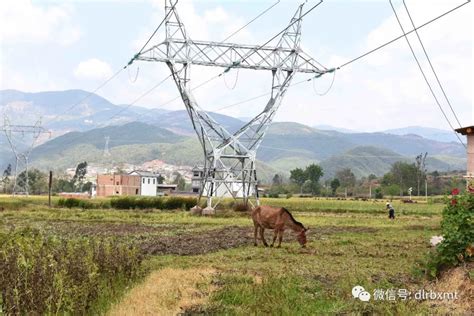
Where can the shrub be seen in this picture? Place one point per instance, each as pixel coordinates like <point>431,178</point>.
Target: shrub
<point>176,202</point>
<point>73,202</point>
<point>241,207</point>
<point>171,203</point>
<point>458,234</point>
<point>51,275</point>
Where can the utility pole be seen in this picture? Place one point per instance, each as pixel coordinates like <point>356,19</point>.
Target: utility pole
<point>229,158</point>
<point>106,147</point>
<point>50,185</point>
<point>16,138</point>
<point>426,188</point>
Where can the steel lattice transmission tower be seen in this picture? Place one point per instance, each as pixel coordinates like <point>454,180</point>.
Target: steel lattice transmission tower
<point>21,185</point>
<point>106,152</point>
<point>229,158</point>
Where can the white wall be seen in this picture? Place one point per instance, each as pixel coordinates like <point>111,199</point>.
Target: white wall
<point>148,186</point>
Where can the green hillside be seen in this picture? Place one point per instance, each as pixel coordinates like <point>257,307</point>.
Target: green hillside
<point>365,160</point>
<point>285,147</point>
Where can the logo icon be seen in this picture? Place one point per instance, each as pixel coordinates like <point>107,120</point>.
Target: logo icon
<point>360,293</point>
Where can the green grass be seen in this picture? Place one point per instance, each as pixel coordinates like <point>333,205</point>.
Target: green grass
<point>352,242</point>
<point>323,205</point>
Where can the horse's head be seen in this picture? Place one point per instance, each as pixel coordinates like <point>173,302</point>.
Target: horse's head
<point>301,237</point>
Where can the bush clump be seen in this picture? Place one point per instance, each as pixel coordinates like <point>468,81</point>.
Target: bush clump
<point>170,203</point>
<point>73,202</point>
<point>51,275</point>
<point>241,207</point>
<point>458,234</point>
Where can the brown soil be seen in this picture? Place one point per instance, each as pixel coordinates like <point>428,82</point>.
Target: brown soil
<point>102,229</point>
<point>201,243</point>
<point>227,238</point>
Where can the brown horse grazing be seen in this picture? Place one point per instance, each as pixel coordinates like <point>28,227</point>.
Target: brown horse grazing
<point>276,218</point>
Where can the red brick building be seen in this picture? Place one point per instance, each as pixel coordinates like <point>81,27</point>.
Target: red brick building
<point>118,184</point>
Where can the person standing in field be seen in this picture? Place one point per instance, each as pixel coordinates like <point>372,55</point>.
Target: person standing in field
<point>391,211</point>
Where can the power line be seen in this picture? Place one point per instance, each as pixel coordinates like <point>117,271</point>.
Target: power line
<point>251,21</point>
<point>153,34</point>
<point>282,31</point>
<point>161,82</point>
<point>431,65</point>
<point>113,76</point>
<point>259,96</point>
<point>399,37</point>
<point>87,96</point>
<point>140,97</point>
<point>423,73</point>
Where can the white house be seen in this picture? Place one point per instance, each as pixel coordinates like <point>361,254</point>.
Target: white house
<point>148,182</point>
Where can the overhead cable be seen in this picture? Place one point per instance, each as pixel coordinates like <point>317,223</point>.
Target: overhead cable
<point>424,76</point>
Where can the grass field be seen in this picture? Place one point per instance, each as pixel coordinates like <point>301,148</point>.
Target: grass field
<point>209,264</point>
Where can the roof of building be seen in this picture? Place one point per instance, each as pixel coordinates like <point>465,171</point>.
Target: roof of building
<point>145,173</point>
<point>468,130</point>
<point>161,185</point>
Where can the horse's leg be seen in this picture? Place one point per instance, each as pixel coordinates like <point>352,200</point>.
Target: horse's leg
<point>255,233</point>
<point>280,237</point>
<point>262,236</point>
<point>275,234</point>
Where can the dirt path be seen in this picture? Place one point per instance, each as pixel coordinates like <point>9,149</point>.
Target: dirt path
<point>167,292</point>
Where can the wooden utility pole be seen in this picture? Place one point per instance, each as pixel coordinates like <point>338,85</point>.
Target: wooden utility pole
<point>50,185</point>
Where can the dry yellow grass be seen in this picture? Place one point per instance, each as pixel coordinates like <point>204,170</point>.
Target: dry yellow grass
<point>455,280</point>
<point>166,292</point>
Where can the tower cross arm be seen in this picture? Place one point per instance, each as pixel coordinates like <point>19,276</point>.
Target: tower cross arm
<point>228,55</point>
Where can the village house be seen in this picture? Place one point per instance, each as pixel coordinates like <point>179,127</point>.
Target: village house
<point>135,183</point>
<point>117,184</point>
<point>148,182</point>
<point>469,132</point>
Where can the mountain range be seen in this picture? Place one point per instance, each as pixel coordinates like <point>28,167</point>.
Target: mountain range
<point>80,125</point>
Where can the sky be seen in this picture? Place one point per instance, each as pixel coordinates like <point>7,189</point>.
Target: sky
<point>61,45</point>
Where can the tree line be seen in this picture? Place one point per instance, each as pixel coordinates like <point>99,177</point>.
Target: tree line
<point>396,182</point>
<point>38,181</point>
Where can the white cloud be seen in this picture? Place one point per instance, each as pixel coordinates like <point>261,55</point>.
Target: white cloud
<point>386,89</point>
<point>93,69</point>
<point>21,21</point>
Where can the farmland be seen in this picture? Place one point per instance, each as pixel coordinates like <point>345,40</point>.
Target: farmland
<point>209,265</point>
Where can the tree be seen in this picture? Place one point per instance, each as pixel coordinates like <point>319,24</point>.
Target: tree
<point>37,181</point>
<point>78,179</point>
<point>420,170</point>
<point>313,174</point>
<point>404,174</point>
<point>179,181</point>
<point>6,177</point>
<point>298,177</point>
<point>392,190</point>
<point>62,185</point>
<point>277,179</point>
<point>372,177</point>
<point>335,183</point>
<point>160,179</point>
<point>347,178</point>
